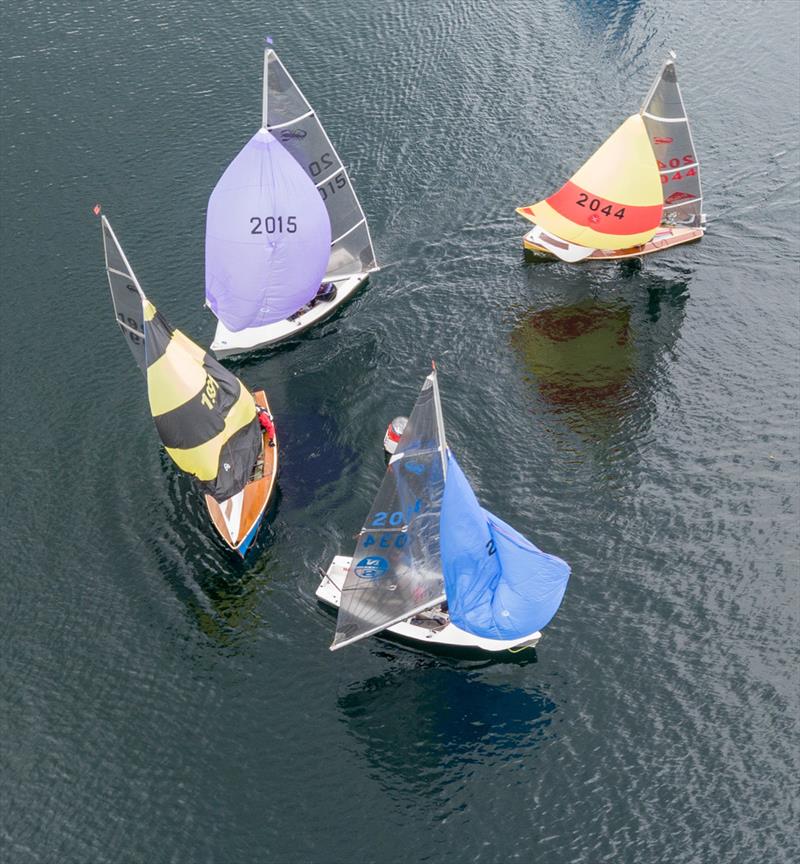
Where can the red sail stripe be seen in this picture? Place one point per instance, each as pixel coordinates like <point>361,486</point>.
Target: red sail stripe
<point>589,212</point>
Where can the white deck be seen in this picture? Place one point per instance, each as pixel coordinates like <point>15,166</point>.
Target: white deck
<point>227,343</point>
<point>444,635</point>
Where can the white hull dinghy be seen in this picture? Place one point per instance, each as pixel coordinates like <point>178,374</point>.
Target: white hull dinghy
<point>432,627</point>
<point>228,343</point>
<point>431,566</point>
<point>287,242</point>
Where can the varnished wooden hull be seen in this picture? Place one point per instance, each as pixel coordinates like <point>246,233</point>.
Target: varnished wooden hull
<point>666,237</point>
<point>237,519</point>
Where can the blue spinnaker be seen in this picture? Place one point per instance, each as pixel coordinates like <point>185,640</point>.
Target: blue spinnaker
<point>498,584</point>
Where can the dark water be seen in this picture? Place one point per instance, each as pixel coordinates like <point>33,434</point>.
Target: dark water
<point>161,702</point>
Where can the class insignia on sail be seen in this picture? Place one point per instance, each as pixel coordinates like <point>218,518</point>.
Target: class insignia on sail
<point>638,193</point>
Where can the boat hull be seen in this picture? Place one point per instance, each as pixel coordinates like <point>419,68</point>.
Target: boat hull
<point>228,343</point>
<point>238,518</point>
<point>446,638</point>
<point>666,237</point>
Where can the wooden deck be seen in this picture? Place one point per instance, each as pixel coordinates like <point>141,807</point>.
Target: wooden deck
<point>253,499</point>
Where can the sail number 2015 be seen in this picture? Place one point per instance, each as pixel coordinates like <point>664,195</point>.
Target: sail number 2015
<point>595,204</point>
<point>273,224</point>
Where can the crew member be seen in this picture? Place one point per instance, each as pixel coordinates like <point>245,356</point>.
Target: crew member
<point>265,421</point>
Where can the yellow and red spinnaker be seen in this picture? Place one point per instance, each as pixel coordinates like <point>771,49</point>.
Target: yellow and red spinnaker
<point>613,201</point>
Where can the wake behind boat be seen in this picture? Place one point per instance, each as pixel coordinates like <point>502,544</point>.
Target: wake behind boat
<point>287,242</point>
<point>431,565</point>
<point>206,418</point>
<point>638,193</point>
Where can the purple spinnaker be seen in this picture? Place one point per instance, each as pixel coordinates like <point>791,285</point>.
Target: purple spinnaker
<point>268,237</point>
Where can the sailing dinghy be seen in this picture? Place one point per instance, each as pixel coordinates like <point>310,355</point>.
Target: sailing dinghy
<point>639,193</point>
<point>205,416</point>
<point>431,566</point>
<point>286,239</point>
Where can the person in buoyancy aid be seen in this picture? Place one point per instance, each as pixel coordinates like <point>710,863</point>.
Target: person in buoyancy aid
<point>266,423</point>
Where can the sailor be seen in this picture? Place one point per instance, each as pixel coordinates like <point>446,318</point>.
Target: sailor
<point>265,421</point>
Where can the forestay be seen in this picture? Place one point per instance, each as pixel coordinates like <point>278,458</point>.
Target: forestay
<point>667,125</point>
<point>294,123</point>
<point>204,415</point>
<point>396,569</point>
<point>498,584</point>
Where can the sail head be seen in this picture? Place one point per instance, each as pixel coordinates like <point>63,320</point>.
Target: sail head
<point>267,237</point>
<point>613,201</point>
<point>498,584</point>
<point>126,294</point>
<point>396,567</point>
<point>667,125</point>
<point>294,123</point>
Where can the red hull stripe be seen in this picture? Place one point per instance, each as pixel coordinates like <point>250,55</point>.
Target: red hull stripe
<point>584,209</point>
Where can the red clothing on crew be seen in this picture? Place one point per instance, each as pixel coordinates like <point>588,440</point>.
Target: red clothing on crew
<point>266,424</point>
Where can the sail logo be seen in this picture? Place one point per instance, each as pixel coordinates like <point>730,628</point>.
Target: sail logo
<point>371,568</point>
<point>679,196</point>
<point>296,134</point>
<point>210,393</point>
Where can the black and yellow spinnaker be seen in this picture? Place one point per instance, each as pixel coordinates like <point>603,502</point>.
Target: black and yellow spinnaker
<point>205,416</point>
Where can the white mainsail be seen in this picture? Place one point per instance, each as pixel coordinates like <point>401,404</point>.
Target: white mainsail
<point>667,127</point>
<point>292,120</point>
<point>396,570</point>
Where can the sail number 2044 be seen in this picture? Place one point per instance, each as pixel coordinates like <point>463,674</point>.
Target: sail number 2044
<point>597,204</point>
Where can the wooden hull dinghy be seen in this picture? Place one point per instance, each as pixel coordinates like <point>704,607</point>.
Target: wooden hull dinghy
<point>205,416</point>
<point>665,237</point>
<point>639,193</point>
<point>431,566</point>
<point>238,518</point>
<point>431,628</point>
<point>283,225</point>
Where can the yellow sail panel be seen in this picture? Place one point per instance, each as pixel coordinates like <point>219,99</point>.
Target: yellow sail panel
<point>177,376</point>
<point>613,201</point>
<point>204,460</point>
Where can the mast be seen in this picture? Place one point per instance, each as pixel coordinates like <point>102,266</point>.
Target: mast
<point>439,419</point>
<point>265,90</point>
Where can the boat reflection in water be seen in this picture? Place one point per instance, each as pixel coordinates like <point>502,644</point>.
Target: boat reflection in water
<point>423,727</point>
<point>599,361</point>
